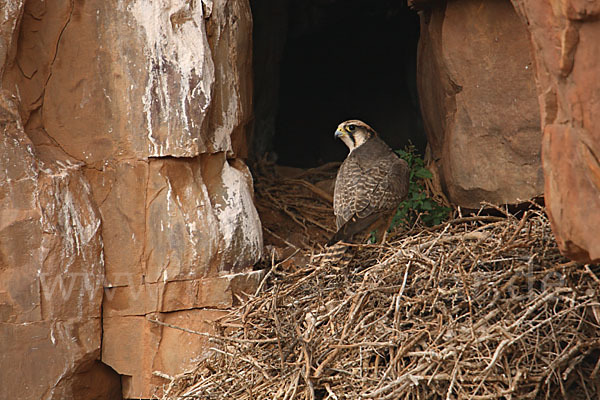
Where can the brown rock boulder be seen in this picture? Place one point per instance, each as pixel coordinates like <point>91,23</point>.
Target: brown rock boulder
<point>565,38</point>
<point>10,15</point>
<point>144,351</point>
<point>134,114</point>
<point>477,90</point>
<point>51,268</point>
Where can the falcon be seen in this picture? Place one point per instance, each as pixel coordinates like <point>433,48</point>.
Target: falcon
<point>370,184</point>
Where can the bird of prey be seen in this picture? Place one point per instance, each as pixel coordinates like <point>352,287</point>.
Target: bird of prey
<point>370,184</point>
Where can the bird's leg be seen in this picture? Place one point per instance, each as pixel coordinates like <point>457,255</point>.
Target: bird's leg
<point>384,228</point>
<point>384,237</point>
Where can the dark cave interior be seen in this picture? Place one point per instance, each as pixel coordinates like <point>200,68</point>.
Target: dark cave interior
<point>320,62</point>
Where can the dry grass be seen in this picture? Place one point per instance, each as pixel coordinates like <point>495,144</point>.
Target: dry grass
<point>480,307</point>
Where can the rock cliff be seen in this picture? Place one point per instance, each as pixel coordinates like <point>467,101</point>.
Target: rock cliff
<point>123,127</point>
<point>476,80</point>
<point>510,103</point>
<point>564,35</point>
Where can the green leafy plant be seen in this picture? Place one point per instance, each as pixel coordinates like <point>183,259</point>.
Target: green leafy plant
<point>418,203</point>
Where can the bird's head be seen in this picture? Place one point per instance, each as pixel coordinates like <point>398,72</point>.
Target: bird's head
<point>354,133</point>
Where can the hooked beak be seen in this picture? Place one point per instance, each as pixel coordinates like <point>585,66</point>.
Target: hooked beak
<point>338,133</point>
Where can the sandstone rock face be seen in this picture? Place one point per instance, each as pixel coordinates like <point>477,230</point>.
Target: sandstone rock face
<point>51,267</point>
<point>120,167</point>
<point>565,36</point>
<point>9,19</point>
<point>137,346</point>
<point>476,84</point>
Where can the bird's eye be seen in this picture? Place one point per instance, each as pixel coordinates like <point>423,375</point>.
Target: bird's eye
<point>351,128</point>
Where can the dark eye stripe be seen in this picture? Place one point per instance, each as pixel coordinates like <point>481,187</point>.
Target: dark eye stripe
<point>353,140</point>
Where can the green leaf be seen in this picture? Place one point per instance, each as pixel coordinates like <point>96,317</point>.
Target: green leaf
<point>417,203</point>
<point>423,173</point>
<point>403,154</point>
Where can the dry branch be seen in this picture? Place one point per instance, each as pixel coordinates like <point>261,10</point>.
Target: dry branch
<point>477,308</point>
<point>480,307</point>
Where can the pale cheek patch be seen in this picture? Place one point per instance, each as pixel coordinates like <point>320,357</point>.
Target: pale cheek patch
<point>349,142</point>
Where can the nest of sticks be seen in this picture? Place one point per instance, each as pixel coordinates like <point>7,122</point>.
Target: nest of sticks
<point>480,307</point>
<point>296,205</point>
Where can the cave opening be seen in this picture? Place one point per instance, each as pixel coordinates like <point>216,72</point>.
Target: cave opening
<point>320,62</point>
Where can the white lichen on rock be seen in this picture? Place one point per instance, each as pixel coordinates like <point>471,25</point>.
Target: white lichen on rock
<point>238,219</point>
<point>180,73</point>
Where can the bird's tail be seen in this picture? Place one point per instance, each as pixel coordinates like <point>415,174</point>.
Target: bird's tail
<point>338,254</point>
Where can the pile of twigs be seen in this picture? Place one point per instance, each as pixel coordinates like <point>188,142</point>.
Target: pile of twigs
<point>479,307</point>
<point>297,200</point>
